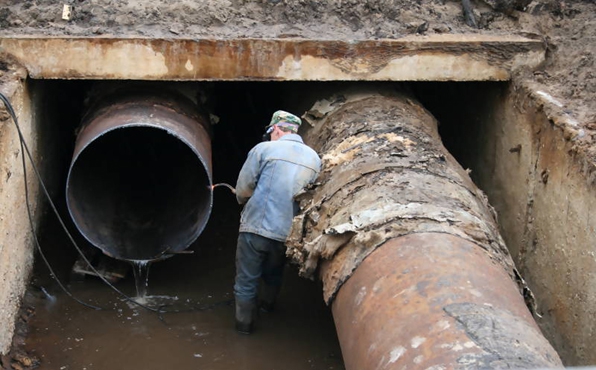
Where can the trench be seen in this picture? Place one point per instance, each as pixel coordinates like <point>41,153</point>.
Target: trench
<point>301,334</point>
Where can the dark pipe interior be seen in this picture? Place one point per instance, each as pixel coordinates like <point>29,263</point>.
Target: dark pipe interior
<point>137,192</point>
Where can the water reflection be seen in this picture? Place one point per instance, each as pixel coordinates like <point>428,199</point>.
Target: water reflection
<point>196,331</point>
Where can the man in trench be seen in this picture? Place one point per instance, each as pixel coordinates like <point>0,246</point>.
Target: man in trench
<point>274,172</point>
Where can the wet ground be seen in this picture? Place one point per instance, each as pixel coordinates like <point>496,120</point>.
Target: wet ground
<point>197,333</point>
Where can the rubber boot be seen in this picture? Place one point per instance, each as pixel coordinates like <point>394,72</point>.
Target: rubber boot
<point>245,316</point>
<point>268,297</point>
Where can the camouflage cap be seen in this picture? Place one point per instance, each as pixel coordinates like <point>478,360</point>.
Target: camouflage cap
<point>285,119</point>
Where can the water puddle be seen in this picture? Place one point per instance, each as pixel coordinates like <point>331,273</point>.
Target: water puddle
<point>191,321</point>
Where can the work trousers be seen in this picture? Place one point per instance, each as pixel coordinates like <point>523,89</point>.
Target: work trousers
<point>257,257</point>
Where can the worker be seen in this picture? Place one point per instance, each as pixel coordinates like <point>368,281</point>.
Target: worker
<point>273,173</point>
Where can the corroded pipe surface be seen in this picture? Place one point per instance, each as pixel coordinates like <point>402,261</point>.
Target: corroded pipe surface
<point>139,184</point>
<point>407,248</point>
<point>436,301</point>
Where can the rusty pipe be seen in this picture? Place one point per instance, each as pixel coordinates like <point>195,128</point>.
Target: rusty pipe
<point>139,183</point>
<point>436,301</point>
<point>407,248</point>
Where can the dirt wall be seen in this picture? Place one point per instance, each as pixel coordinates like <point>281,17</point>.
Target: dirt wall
<point>543,191</point>
<point>16,243</point>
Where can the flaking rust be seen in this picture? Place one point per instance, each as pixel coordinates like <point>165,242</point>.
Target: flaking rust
<point>407,248</point>
<point>385,174</point>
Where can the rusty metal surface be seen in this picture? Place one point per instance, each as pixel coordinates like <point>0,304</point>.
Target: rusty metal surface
<point>139,184</point>
<point>436,301</point>
<point>464,57</point>
<point>385,173</point>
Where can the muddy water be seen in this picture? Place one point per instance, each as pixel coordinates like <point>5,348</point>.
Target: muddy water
<point>66,335</point>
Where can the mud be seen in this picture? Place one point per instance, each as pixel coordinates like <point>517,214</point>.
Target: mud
<point>197,330</point>
<point>245,18</point>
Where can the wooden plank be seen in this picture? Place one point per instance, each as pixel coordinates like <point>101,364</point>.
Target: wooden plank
<point>415,58</point>
<point>111,269</point>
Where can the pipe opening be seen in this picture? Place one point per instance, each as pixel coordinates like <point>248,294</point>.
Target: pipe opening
<point>139,192</point>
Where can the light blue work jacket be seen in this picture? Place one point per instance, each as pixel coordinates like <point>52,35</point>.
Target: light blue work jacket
<point>273,173</point>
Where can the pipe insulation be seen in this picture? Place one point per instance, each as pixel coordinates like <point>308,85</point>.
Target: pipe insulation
<point>407,247</point>
<point>139,184</point>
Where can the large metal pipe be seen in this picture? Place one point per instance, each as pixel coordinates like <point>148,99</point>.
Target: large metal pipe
<point>407,247</point>
<point>139,184</point>
<point>436,301</point>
